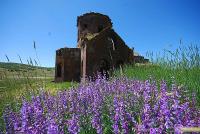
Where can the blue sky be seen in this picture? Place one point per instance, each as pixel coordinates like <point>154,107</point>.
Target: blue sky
<point>147,25</point>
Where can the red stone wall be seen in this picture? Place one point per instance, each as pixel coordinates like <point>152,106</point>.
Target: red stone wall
<point>100,49</point>
<point>92,23</point>
<point>70,62</point>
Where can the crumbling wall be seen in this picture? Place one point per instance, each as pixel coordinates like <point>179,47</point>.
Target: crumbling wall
<point>140,59</point>
<point>69,61</point>
<point>91,23</point>
<point>106,51</point>
<point>59,66</point>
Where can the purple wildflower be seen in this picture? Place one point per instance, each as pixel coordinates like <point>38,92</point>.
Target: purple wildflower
<point>52,127</point>
<point>96,119</point>
<point>177,128</point>
<point>8,120</point>
<point>116,116</point>
<point>120,105</point>
<point>73,125</point>
<point>24,116</point>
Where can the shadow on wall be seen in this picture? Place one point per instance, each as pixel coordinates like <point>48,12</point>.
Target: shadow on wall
<point>59,70</point>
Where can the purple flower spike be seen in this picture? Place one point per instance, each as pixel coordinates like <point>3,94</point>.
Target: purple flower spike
<point>24,116</point>
<point>52,127</point>
<point>153,131</point>
<point>8,120</point>
<point>96,119</point>
<point>73,126</point>
<point>116,117</point>
<point>177,128</point>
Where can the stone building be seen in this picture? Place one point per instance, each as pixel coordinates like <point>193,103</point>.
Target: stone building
<point>99,49</point>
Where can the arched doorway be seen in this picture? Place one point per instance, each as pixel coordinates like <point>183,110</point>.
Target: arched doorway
<point>104,68</point>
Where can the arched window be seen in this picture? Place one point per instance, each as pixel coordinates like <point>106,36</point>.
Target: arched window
<point>85,26</point>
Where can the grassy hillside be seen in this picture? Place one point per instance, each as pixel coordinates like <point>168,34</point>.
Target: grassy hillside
<point>18,66</point>
<point>22,70</point>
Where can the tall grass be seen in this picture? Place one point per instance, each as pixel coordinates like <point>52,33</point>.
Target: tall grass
<point>181,65</point>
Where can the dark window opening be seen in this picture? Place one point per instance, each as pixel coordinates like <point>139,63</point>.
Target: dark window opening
<point>59,70</point>
<point>100,28</point>
<point>85,25</point>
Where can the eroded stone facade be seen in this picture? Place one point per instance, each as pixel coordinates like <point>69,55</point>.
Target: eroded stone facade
<point>99,49</point>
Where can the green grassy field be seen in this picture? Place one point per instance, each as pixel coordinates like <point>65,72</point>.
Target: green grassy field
<point>18,81</point>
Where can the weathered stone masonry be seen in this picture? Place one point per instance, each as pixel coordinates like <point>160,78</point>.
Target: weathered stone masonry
<point>99,49</point>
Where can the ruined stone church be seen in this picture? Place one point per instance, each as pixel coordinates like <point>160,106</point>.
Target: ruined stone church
<point>99,49</point>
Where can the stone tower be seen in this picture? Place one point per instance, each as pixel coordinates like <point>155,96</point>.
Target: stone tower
<point>91,23</point>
